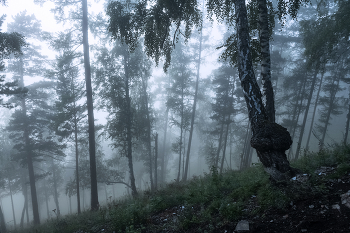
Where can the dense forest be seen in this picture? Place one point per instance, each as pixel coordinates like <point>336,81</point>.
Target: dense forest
<point>137,94</point>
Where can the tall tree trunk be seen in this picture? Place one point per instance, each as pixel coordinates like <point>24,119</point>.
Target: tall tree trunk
<point>29,153</point>
<point>55,192</point>
<point>314,113</point>
<point>269,139</point>
<point>264,37</point>
<point>306,112</point>
<point>220,145</point>
<point>244,157</point>
<point>194,106</point>
<point>13,209</point>
<point>149,139</point>
<point>76,153</point>
<point>225,143</point>
<point>90,107</point>
<point>163,168</point>
<point>296,114</point>
<point>2,222</point>
<point>181,132</point>
<point>347,123</point>
<point>129,124</point>
<point>47,202</point>
<point>331,103</point>
<point>156,162</point>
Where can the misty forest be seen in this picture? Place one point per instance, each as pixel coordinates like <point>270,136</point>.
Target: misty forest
<point>121,99</point>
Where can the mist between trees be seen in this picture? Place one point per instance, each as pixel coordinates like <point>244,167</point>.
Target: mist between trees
<point>240,83</point>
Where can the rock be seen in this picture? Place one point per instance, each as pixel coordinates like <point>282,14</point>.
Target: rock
<point>345,199</point>
<point>242,226</point>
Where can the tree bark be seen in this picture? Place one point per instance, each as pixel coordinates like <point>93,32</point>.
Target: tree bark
<point>90,107</point>
<point>269,139</point>
<point>264,37</point>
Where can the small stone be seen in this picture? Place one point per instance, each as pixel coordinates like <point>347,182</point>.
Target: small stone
<point>345,199</point>
<point>285,216</point>
<point>336,207</point>
<point>271,221</point>
<point>311,206</point>
<point>242,225</point>
<point>303,230</point>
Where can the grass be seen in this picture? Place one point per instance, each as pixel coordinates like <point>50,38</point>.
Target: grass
<point>203,203</point>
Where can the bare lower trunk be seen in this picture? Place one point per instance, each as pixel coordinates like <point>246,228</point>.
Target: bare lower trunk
<point>90,107</point>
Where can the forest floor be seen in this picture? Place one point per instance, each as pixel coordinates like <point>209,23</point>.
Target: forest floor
<point>327,211</point>
<point>235,201</point>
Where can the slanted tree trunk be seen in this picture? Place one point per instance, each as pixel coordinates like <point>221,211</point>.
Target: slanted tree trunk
<point>331,103</point>
<point>264,37</point>
<point>269,139</point>
<point>225,143</point>
<point>347,124</point>
<point>314,113</point>
<point>194,107</point>
<point>306,113</point>
<point>129,124</point>
<point>90,107</point>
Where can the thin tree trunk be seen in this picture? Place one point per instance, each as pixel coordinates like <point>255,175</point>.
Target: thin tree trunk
<point>47,202</point>
<point>219,146</point>
<point>347,124</point>
<point>55,192</point>
<point>225,142</point>
<point>2,222</point>
<point>306,113</point>
<point>90,107</point>
<point>29,154</point>
<point>128,126</point>
<point>331,103</point>
<point>266,61</point>
<point>269,139</point>
<point>13,209</point>
<point>181,132</point>
<point>156,162</point>
<point>314,113</point>
<point>246,144</point>
<point>76,153</point>
<point>164,144</point>
<point>194,107</point>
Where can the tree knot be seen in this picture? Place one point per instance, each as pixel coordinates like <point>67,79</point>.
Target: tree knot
<point>269,136</point>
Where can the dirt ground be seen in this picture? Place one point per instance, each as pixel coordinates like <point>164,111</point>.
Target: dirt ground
<point>311,213</point>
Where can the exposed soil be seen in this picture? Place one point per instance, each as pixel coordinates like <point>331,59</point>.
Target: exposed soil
<point>311,212</point>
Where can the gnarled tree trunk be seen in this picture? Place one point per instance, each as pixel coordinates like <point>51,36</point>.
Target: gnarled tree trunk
<point>269,139</point>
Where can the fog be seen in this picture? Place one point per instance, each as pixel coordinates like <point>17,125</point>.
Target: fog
<point>142,113</point>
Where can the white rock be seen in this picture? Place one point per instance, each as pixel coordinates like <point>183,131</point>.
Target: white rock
<point>242,225</point>
<point>345,199</point>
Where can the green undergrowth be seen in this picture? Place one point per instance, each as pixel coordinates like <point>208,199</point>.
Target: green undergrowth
<point>201,204</point>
